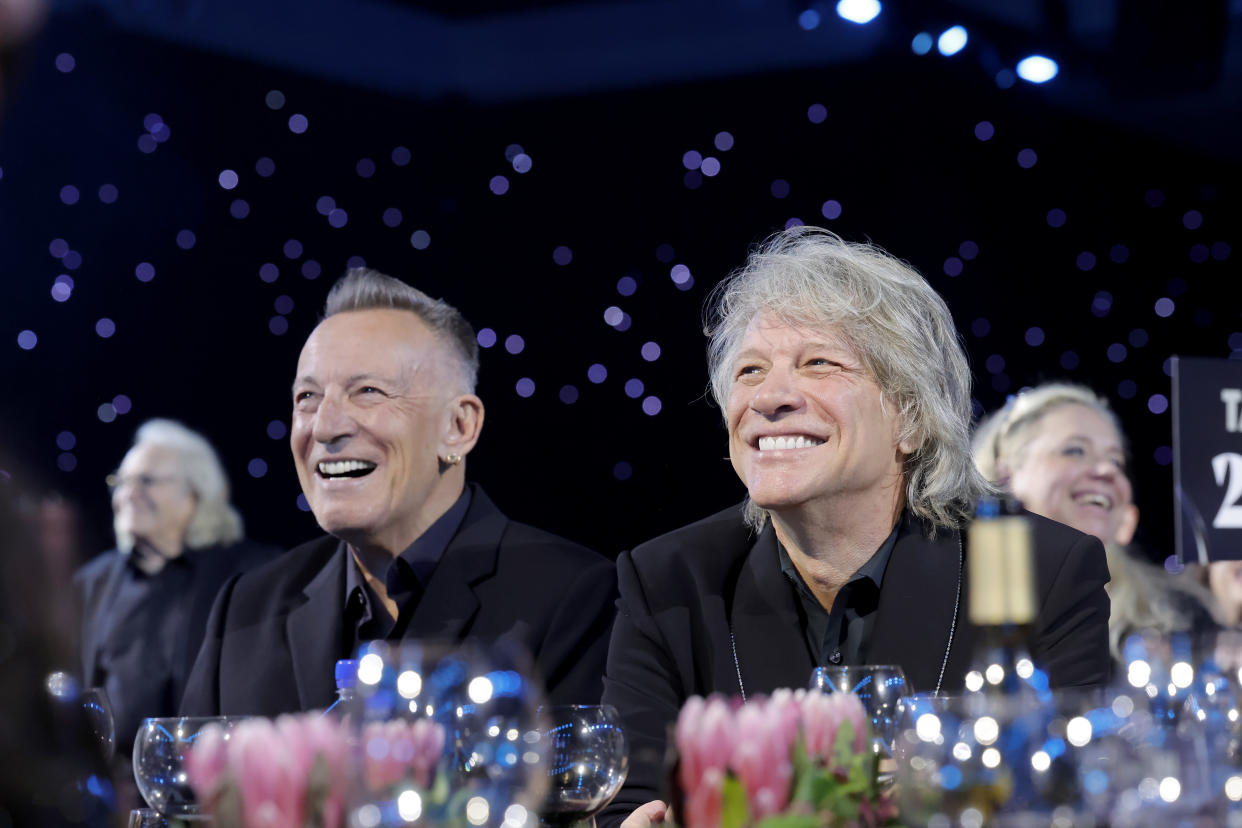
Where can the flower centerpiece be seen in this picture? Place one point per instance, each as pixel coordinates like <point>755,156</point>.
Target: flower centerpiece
<point>796,759</point>
<point>300,771</point>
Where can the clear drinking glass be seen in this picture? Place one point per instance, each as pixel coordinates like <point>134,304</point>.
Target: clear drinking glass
<point>880,687</point>
<point>588,760</point>
<point>159,762</point>
<point>99,718</point>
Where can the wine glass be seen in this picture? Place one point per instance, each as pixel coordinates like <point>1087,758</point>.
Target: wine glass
<point>99,717</point>
<point>587,762</point>
<point>880,687</point>
<point>159,762</point>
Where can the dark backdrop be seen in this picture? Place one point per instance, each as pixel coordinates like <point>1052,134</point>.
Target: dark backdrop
<point>1054,241</point>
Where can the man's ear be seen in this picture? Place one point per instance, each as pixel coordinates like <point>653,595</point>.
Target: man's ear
<point>1125,531</point>
<point>463,422</point>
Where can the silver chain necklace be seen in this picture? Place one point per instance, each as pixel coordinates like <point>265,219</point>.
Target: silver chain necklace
<point>957,603</point>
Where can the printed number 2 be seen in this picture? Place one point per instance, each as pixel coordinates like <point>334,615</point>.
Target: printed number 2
<point>1229,466</point>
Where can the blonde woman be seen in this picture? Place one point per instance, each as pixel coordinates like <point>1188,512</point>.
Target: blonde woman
<point>1060,450</point>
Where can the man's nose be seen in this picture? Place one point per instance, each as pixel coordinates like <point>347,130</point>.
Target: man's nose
<point>777,393</point>
<point>333,423</point>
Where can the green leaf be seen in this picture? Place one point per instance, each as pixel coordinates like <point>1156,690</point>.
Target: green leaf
<point>790,821</point>
<point>734,812</point>
<point>843,748</point>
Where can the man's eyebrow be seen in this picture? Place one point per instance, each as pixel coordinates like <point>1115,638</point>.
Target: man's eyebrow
<point>353,378</point>
<point>304,380</point>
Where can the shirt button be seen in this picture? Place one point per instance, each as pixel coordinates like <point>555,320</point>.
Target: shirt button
<point>835,658</point>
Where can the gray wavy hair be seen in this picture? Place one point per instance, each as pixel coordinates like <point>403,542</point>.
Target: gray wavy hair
<point>1142,596</point>
<point>364,289</point>
<point>215,520</point>
<point>902,332</point>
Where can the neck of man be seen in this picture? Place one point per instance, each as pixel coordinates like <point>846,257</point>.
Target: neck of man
<point>828,543</point>
<point>151,554</point>
<point>375,554</point>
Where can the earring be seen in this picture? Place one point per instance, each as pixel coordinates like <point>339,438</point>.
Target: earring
<point>453,459</point>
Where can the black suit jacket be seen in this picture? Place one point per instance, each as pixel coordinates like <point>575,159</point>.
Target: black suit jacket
<point>276,633</point>
<point>687,597</point>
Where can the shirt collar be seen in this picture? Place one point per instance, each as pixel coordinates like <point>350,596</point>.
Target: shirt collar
<point>873,570</point>
<point>423,554</point>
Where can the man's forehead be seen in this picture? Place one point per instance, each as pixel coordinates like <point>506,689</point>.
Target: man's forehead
<point>765,323</point>
<point>382,341</point>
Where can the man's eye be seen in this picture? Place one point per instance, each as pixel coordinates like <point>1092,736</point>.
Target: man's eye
<point>747,370</point>
<point>369,389</point>
<point>1073,451</point>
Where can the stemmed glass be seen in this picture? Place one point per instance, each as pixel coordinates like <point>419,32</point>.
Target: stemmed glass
<point>159,762</point>
<point>587,762</point>
<point>880,688</point>
<point>99,717</point>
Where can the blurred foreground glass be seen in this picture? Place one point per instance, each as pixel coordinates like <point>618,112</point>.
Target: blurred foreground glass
<point>159,761</point>
<point>99,718</point>
<point>588,760</point>
<point>491,768</point>
<point>146,818</point>
<point>1079,759</point>
<point>880,687</point>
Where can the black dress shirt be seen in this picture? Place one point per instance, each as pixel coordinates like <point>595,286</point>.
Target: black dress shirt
<point>366,617</point>
<point>840,636</point>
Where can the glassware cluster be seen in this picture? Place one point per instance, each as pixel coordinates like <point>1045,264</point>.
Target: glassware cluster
<point>1162,746</point>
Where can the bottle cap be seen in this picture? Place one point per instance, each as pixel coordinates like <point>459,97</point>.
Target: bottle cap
<point>346,673</point>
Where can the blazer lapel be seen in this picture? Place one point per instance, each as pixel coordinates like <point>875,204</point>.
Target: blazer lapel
<point>449,602</point>
<point>917,604</point>
<point>315,631</point>
<point>767,628</point>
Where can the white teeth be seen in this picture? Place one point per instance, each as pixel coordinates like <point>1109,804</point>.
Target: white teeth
<point>330,468</point>
<point>796,441</point>
<point>1097,500</point>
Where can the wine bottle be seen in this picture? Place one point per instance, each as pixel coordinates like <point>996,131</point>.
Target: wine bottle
<point>1002,601</point>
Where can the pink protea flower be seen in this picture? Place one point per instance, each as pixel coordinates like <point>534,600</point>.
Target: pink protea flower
<point>704,802</point>
<point>427,738</point>
<point>761,755</point>
<point>273,795</point>
<point>207,762</point>
<point>705,739</point>
<point>822,716</point>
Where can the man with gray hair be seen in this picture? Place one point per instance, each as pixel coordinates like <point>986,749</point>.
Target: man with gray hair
<point>144,605</point>
<point>846,398</point>
<point>384,415</point>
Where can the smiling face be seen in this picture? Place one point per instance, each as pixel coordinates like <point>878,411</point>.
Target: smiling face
<point>376,404</point>
<point>151,501</point>
<point>1072,469</point>
<point>807,425</point>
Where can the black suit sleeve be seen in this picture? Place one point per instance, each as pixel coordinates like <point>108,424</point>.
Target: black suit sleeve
<point>202,689</point>
<point>572,654</point>
<point>1072,633</point>
<point>642,682</point>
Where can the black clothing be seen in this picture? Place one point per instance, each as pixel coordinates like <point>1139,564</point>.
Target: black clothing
<point>707,609</point>
<point>140,632</point>
<point>275,633</point>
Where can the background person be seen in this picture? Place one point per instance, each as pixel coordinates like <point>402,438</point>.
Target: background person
<point>145,604</point>
<point>384,415</point>
<point>846,397</point>
<point>1060,450</point>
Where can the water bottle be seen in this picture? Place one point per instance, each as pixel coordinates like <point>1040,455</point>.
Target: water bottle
<point>346,689</point>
